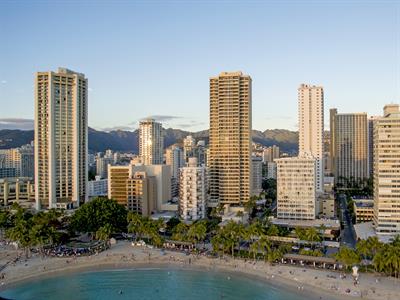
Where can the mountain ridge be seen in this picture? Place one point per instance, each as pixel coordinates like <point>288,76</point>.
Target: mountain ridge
<point>122,140</point>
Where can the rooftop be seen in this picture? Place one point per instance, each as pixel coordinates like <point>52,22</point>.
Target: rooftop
<point>328,223</point>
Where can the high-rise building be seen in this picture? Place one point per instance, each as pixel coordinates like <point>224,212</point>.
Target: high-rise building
<point>189,145</point>
<point>371,122</point>
<point>151,142</point>
<point>327,154</point>
<point>296,188</point>
<point>102,165</point>
<point>271,153</point>
<point>230,139</point>
<point>21,159</point>
<point>256,165</point>
<point>174,158</point>
<point>387,172</point>
<point>61,138</point>
<point>349,134</point>
<point>311,127</point>
<point>271,170</point>
<point>193,191</point>
<point>117,183</point>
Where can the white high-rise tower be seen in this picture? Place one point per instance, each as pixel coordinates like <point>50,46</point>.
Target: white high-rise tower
<point>311,127</point>
<point>151,142</point>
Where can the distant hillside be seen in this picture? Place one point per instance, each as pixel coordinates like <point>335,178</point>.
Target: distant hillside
<point>120,140</point>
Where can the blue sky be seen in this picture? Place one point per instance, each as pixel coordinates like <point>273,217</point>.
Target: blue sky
<point>154,58</point>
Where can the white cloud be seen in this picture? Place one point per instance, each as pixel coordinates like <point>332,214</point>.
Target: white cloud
<point>16,123</point>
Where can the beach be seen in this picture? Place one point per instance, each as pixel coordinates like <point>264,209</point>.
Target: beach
<point>315,283</point>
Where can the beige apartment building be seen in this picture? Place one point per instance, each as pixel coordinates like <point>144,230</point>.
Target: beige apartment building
<point>311,127</point>
<point>140,188</point>
<point>270,154</point>
<point>229,158</point>
<point>349,140</point>
<point>151,142</point>
<point>61,138</point>
<point>117,183</point>
<point>296,189</point>
<point>141,193</point>
<point>387,172</point>
<point>364,210</point>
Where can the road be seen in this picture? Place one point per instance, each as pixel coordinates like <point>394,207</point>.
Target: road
<point>347,234</point>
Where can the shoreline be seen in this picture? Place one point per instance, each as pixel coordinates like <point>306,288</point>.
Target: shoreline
<point>313,283</point>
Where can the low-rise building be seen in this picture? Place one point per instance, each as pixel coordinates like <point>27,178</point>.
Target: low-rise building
<point>327,208</point>
<point>16,190</point>
<point>97,187</point>
<point>364,210</point>
<point>141,188</point>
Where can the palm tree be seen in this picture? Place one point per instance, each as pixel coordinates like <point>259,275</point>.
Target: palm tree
<point>347,256</point>
<point>197,232</point>
<point>312,235</point>
<point>392,260</point>
<point>104,233</point>
<point>265,245</point>
<point>273,230</point>
<point>300,233</point>
<point>180,232</point>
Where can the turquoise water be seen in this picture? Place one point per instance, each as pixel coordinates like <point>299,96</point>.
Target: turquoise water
<point>149,284</point>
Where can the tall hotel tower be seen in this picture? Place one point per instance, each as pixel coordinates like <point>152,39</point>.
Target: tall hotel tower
<point>387,172</point>
<point>349,146</point>
<point>151,142</point>
<point>61,138</point>
<point>311,127</point>
<point>230,139</point>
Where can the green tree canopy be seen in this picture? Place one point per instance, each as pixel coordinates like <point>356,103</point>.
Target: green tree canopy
<point>98,213</point>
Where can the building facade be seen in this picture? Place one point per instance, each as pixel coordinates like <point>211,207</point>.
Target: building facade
<point>229,157</point>
<point>189,147</point>
<point>141,194</point>
<point>120,182</point>
<point>296,188</point>
<point>311,127</point>
<point>256,165</point>
<point>151,142</point>
<point>387,172</point>
<point>61,138</point>
<point>349,133</point>
<point>102,166</point>
<point>193,191</point>
<point>175,159</point>
<point>97,187</point>
<point>271,153</point>
<point>271,170</point>
<point>19,190</point>
<point>21,159</point>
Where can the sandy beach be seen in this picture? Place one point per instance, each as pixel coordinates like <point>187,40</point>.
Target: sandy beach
<point>315,283</point>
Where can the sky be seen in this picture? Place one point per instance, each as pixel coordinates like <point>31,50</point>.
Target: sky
<point>154,58</point>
